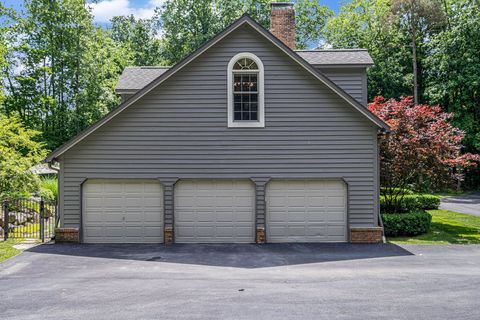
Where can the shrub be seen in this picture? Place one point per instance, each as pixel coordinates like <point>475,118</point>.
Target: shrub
<point>19,151</point>
<point>428,202</point>
<point>424,145</point>
<point>404,204</point>
<point>410,203</point>
<point>405,191</point>
<point>406,224</point>
<point>49,189</point>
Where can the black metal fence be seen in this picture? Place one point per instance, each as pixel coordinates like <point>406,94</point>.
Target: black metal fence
<point>28,218</point>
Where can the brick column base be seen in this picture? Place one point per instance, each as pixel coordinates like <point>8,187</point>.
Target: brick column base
<point>168,235</point>
<point>366,235</point>
<point>260,236</point>
<point>67,235</point>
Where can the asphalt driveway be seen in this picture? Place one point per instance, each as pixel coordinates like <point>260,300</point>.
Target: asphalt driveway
<point>469,204</point>
<point>302,281</point>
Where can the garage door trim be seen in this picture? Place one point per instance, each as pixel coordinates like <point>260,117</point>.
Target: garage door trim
<point>252,221</point>
<point>292,179</point>
<point>82,202</point>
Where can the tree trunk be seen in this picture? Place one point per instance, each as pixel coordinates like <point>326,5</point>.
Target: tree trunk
<point>414,53</point>
<point>77,83</point>
<point>45,93</point>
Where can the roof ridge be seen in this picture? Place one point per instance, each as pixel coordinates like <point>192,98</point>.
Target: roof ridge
<point>333,50</point>
<point>148,67</point>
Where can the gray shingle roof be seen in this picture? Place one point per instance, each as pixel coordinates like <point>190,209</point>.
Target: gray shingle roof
<point>41,169</point>
<point>135,78</point>
<point>336,57</point>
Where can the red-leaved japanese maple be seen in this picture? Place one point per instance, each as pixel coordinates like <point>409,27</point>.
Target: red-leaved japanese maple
<point>423,148</point>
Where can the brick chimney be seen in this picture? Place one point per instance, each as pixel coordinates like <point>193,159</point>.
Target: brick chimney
<point>282,22</point>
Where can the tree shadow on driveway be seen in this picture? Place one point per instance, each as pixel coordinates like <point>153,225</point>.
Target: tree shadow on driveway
<point>228,255</point>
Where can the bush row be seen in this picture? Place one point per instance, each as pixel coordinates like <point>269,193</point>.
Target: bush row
<point>405,191</point>
<point>428,202</point>
<point>406,224</point>
<point>411,203</point>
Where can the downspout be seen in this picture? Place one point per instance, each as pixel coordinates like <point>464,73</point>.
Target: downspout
<point>51,166</point>
<point>380,220</point>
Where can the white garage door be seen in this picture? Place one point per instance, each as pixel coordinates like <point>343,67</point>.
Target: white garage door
<point>219,211</point>
<point>306,211</point>
<point>122,211</point>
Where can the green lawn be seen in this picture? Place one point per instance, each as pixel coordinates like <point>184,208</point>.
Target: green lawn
<point>7,250</point>
<point>447,227</point>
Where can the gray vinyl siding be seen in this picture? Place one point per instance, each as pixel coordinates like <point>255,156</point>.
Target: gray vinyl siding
<point>179,130</point>
<point>352,80</point>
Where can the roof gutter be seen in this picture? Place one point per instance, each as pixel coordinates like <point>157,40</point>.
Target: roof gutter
<point>380,222</point>
<point>127,91</point>
<point>52,166</point>
<point>383,131</point>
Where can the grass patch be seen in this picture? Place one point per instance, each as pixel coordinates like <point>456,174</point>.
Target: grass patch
<point>7,250</point>
<point>447,227</point>
<point>32,230</point>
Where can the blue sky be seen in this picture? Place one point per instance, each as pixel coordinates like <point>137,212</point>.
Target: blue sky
<point>104,10</point>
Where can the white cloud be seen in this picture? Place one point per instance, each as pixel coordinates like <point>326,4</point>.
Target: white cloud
<point>104,10</point>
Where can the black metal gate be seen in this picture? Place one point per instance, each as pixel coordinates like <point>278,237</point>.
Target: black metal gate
<point>28,218</point>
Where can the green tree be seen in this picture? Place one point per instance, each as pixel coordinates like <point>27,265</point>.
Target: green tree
<point>228,11</point>
<point>310,21</point>
<point>370,24</point>
<point>18,153</point>
<point>102,63</point>
<point>3,54</point>
<point>421,19</point>
<point>187,24</point>
<point>453,72</point>
<point>5,17</point>
<point>62,69</point>
<point>140,38</point>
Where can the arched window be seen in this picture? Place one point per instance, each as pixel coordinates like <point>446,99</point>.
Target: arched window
<point>245,91</point>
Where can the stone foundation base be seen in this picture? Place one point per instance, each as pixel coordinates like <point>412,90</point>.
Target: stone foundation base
<point>67,235</point>
<point>366,235</point>
<point>260,236</point>
<point>168,236</point>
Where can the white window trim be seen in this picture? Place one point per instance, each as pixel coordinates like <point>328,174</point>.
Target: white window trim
<point>260,123</point>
